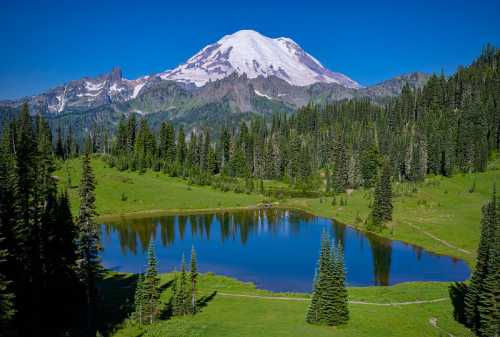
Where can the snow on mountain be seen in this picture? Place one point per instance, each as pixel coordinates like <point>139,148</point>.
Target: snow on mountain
<point>90,92</point>
<point>245,52</point>
<point>248,52</point>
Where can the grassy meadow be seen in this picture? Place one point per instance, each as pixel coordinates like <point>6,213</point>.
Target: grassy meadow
<point>124,192</point>
<point>441,214</point>
<point>224,315</point>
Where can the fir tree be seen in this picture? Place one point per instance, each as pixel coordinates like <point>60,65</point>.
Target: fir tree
<point>193,276</point>
<point>482,299</point>
<point>182,295</point>
<point>139,300</point>
<point>329,298</point>
<point>88,242</point>
<point>382,203</point>
<point>151,286</point>
<point>341,299</point>
<point>7,309</point>
<point>341,172</point>
<point>315,310</point>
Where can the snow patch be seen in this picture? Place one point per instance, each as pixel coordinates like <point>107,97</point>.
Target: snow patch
<point>258,93</point>
<point>115,88</point>
<point>137,89</point>
<point>88,94</point>
<point>94,86</point>
<point>61,100</point>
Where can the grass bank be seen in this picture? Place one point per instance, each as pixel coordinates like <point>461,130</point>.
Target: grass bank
<point>442,214</point>
<point>224,315</point>
<point>119,193</point>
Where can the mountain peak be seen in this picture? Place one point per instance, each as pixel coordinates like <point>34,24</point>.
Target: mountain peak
<point>116,74</point>
<point>251,53</point>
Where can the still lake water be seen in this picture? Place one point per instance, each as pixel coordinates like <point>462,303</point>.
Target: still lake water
<point>274,248</point>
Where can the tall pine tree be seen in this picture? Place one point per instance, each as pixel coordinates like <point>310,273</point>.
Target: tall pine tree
<point>88,243</point>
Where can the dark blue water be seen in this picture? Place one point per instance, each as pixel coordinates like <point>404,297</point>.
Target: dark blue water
<point>275,249</point>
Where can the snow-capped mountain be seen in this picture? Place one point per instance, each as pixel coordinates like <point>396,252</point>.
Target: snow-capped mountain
<point>242,74</point>
<point>249,52</point>
<point>91,92</point>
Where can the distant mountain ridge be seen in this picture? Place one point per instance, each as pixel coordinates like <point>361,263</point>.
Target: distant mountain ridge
<point>242,73</point>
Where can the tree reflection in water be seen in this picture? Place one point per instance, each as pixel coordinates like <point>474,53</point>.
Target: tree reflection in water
<point>275,248</point>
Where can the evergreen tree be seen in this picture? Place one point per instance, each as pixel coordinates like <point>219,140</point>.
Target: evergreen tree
<point>382,203</point>
<point>181,147</point>
<point>193,275</point>
<point>329,298</point>
<point>315,310</point>
<point>482,299</point>
<point>88,243</point>
<point>341,173</point>
<point>341,299</point>
<point>182,295</point>
<point>151,286</point>
<point>7,298</point>
<point>59,152</point>
<point>139,300</point>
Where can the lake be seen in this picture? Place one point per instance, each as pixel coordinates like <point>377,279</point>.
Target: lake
<point>274,248</point>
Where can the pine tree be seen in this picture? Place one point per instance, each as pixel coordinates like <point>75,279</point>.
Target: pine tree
<point>482,299</point>
<point>88,243</point>
<point>182,295</point>
<point>314,311</point>
<point>472,298</point>
<point>193,275</point>
<point>181,147</point>
<point>328,183</point>
<point>59,151</point>
<point>7,298</point>
<point>329,298</point>
<point>341,172</point>
<point>341,298</point>
<point>382,203</point>
<point>151,286</point>
<point>139,300</point>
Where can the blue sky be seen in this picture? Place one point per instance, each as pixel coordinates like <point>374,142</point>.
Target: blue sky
<point>47,43</point>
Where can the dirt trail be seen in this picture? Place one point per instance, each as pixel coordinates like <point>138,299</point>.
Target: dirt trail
<point>444,242</point>
<point>282,298</point>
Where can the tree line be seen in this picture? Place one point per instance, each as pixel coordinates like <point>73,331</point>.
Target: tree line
<point>450,125</point>
<point>49,260</point>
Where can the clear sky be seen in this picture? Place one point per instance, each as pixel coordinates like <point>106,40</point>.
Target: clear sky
<point>47,43</point>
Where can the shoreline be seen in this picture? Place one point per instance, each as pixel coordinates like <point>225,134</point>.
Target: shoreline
<point>166,212</point>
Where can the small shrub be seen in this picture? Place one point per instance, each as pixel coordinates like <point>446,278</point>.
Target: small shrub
<point>472,189</point>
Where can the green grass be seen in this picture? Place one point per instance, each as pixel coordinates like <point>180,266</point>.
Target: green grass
<point>442,207</point>
<point>130,192</point>
<point>235,316</point>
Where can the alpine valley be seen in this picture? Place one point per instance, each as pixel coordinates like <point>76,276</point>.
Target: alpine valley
<point>240,76</point>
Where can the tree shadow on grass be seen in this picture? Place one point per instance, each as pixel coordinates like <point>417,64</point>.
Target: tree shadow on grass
<point>202,302</point>
<point>457,291</point>
<point>116,300</point>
